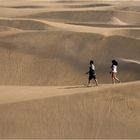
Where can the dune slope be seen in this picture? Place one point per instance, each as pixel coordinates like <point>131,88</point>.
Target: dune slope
<point>103,112</point>
<point>51,42</point>
<point>33,58</point>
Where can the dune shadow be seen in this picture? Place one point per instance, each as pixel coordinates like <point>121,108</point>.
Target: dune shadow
<point>88,6</point>
<point>80,86</point>
<point>24,7</point>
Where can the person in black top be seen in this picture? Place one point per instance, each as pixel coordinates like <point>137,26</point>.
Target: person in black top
<point>92,74</point>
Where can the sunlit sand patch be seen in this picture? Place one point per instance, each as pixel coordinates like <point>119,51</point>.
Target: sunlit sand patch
<point>130,60</point>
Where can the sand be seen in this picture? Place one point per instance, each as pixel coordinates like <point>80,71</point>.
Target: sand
<point>45,48</point>
<point>107,111</point>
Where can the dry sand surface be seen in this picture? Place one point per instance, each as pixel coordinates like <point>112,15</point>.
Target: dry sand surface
<point>107,111</point>
<point>45,48</point>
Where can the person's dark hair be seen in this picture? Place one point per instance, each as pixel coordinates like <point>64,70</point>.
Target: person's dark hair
<point>91,62</point>
<point>114,62</point>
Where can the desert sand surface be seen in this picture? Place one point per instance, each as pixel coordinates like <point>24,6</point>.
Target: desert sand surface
<point>107,111</point>
<point>45,49</point>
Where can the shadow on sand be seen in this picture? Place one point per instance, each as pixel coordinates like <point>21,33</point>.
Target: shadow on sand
<point>80,86</point>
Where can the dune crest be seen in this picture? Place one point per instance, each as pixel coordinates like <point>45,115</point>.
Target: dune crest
<point>115,20</point>
<point>129,60</point>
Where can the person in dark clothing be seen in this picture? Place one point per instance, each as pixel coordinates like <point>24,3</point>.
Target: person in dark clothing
<point>92,74</point>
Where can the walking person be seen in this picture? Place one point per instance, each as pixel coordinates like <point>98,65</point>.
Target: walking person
<point>114,72</point>
<point>92,74</point>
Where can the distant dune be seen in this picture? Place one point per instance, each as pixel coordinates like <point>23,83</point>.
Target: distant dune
<point>90,16</point>
<point>6,28</point>
<point>24,24</point>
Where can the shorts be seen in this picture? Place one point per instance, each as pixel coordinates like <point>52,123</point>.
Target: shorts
<point>92,77</point>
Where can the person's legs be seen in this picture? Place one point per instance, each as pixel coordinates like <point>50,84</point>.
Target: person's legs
<point>113,77</point>
<point>116,78</point>
<point>96,81</point>
<point>89,80</point>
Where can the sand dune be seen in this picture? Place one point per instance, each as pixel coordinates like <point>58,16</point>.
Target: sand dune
<point>98,16</point>
<point>94,16</point>
<point>132,33</point>
<point>79,5</point>
<point>129,60</point>
<point>105,112</point>
<point>76,28</point>
<point>34,62</point>
<point>132,8</point>
<point>115,20</point>
<point>37,24</point>
<point>129,6</point>
<point>6,28</point>
<point>45,49</point>
<point>24,24</point>
<point>63,46</point>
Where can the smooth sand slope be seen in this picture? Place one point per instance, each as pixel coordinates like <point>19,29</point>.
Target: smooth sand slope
<point>42,47</point>
<point>45,48</point>
<point>41,61</point>
<point>97,112</point>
